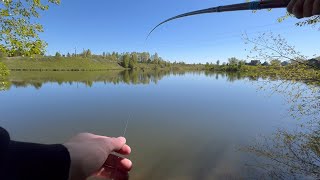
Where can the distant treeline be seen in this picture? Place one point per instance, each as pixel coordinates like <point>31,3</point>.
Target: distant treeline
<point>86,61</point>
<point>126,60</point>
<point>235,65</point>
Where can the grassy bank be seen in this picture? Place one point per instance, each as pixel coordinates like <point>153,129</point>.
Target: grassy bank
<point>85,64</point>
<point>58,64</point>
<point>294,73</point>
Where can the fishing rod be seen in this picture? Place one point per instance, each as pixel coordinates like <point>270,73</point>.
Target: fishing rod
<point>255,5</point>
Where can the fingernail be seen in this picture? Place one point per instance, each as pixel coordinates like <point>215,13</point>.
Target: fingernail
<point>122,139</point>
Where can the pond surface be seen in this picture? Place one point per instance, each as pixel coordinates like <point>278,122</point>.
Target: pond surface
<point>181,125</point>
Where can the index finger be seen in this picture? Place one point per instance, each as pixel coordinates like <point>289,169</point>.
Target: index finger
<point>298,9</point>
<point>118,143</point>
<point>125,150</point>
<point>290,6</point>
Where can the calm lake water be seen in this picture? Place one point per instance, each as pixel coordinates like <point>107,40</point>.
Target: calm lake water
<point>181,125</point>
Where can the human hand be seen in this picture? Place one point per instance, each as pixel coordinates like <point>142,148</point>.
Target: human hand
<point>304,8</point>
<point>91,156</point>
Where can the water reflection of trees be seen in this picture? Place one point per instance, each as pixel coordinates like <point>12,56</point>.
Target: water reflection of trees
<point>37,79</point>
<point>289,155</point>
<point>88,78</point>
<point>236,76</point>
<point>270,77</point>
<point>4,84</point>
<point>292,154</point>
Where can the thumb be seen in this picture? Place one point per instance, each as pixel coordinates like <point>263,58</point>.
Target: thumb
<point>118,143</point>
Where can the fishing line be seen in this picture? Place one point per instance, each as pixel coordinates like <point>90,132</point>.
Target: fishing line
<point>126,127</point>
<point>123,135</point>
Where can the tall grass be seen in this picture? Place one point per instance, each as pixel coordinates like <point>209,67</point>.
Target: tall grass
<point>58,64</point>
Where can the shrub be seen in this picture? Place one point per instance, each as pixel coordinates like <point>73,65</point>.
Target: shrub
<point>4,71</point>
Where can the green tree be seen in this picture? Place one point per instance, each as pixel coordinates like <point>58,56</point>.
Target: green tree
<point>155,58</point>
<point>3,54</point>
<point>19,29</point>
<point>133,60</point>
<point>113,57</point>
<point>68,55</point>
<point>134,57</point>
<point>241,63</point>
<point>145,57</point>
<point>207,66</point>
<point>57,55</point>
<point>132,65</point>
<point>125,61</point>
<point>218,62</point>
<point>233,61</point>
<point>88,53</point>
<point>275,63</point>
<point>263,48</point>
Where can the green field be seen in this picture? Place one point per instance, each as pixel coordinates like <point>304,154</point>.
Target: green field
<point>85,64</point>
<point>58,64</point>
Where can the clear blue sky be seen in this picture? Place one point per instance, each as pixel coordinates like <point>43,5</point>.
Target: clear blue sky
<point>122,26</point>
